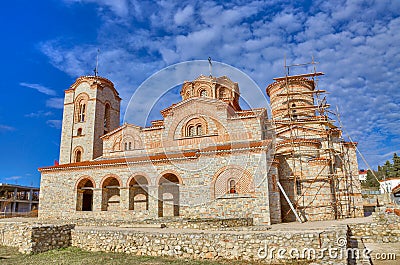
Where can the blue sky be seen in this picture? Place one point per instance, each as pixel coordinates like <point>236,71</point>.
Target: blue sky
<point>48,43</point>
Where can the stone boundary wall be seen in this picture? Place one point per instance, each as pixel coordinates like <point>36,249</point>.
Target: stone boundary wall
<point>212,244</point>
<point>183,223</point>
<point>35,238</point>
<point>240,242</point>
<point>384,228</point>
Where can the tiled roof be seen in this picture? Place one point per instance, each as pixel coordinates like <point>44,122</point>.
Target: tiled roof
<point>396,189</point>
<point>190,154</point>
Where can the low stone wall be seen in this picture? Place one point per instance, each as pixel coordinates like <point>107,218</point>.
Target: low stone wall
<point>256,246</point>
<point>35,238</point>
<point>384,228</point>
<point>197,239</point>
<point>47,237</point>
<point>15,234</point>
<point>173,222</point>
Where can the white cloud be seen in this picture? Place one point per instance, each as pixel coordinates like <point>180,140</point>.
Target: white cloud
<point>54,123</point>
<point>13,178</point>
<point>40,88</point>
<point>38,114</point>
<point>56,103</point>
<point>6,128</point>
<point>183,15</point>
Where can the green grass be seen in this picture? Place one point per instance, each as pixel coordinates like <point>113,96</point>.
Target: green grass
<point>72,255</point>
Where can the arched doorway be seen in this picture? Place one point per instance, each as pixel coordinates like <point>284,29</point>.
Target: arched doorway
<point>168,195</point>
<point>138,194</point>
<point>110,194</point>
<point>84,195</point>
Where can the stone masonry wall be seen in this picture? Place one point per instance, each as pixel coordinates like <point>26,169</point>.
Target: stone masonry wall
<point>35,238</point>
<point>58,197</point>
<point>385,228</point>
<point>195,244</point>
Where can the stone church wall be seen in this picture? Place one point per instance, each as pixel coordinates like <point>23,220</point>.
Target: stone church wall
<point>58,195</point>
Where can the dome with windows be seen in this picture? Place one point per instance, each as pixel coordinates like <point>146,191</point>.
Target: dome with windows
<point>221,88</point>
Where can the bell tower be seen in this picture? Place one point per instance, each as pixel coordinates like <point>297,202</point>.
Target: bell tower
<point>91,109</point>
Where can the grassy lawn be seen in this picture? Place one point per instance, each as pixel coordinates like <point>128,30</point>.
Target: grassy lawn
<point>73,255</point>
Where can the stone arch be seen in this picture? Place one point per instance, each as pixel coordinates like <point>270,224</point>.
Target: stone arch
<point>244,181</point>
<point>168,194</point>
<point>171,171</point>
<point>110,186</point>
<point>82,178</point>
<point>84,193</point>
<point>139,174</point>
<point>138,192</point>
<point>103,181</point>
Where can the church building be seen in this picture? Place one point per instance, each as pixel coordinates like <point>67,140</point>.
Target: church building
<point>207,158</point>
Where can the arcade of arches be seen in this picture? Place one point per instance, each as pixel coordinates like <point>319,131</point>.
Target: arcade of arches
<point>137,192</point>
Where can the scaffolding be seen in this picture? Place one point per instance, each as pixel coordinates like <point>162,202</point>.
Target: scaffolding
<point>320,174</point>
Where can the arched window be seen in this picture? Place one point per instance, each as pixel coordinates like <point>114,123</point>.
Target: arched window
<point>199,129</point>
<point>78,156</point>
<point>195,127</point>
<point>203,93</point>
<point>232,180</point>
<point>79,133</point>
<point>128,145</point>
<point>192,131</point>
<point>232,186</point>
<point>82,111</point>
<point>222,93</point>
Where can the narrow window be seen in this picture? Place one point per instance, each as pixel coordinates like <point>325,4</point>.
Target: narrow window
<point>107,117</point>
<point>78,156</point>
<point>130,145</point>
<point>82,111</point>
<point>232,186</point>
<point>126,146</point>
<point>199,130</point>
<point>298,187</point>
<point>222,93</point>
<point>192,131</point>
<point>79,133</point>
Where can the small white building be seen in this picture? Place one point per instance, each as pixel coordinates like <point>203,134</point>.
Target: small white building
<point>387,185</point>
<point>395,196</point>
<point>362,175</point>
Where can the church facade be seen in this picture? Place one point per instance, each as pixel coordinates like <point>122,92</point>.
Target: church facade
<point>207,158</point>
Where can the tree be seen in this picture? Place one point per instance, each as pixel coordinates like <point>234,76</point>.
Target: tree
<point>371,181</point>
<point>396,166</point>
<point>387,170</point>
